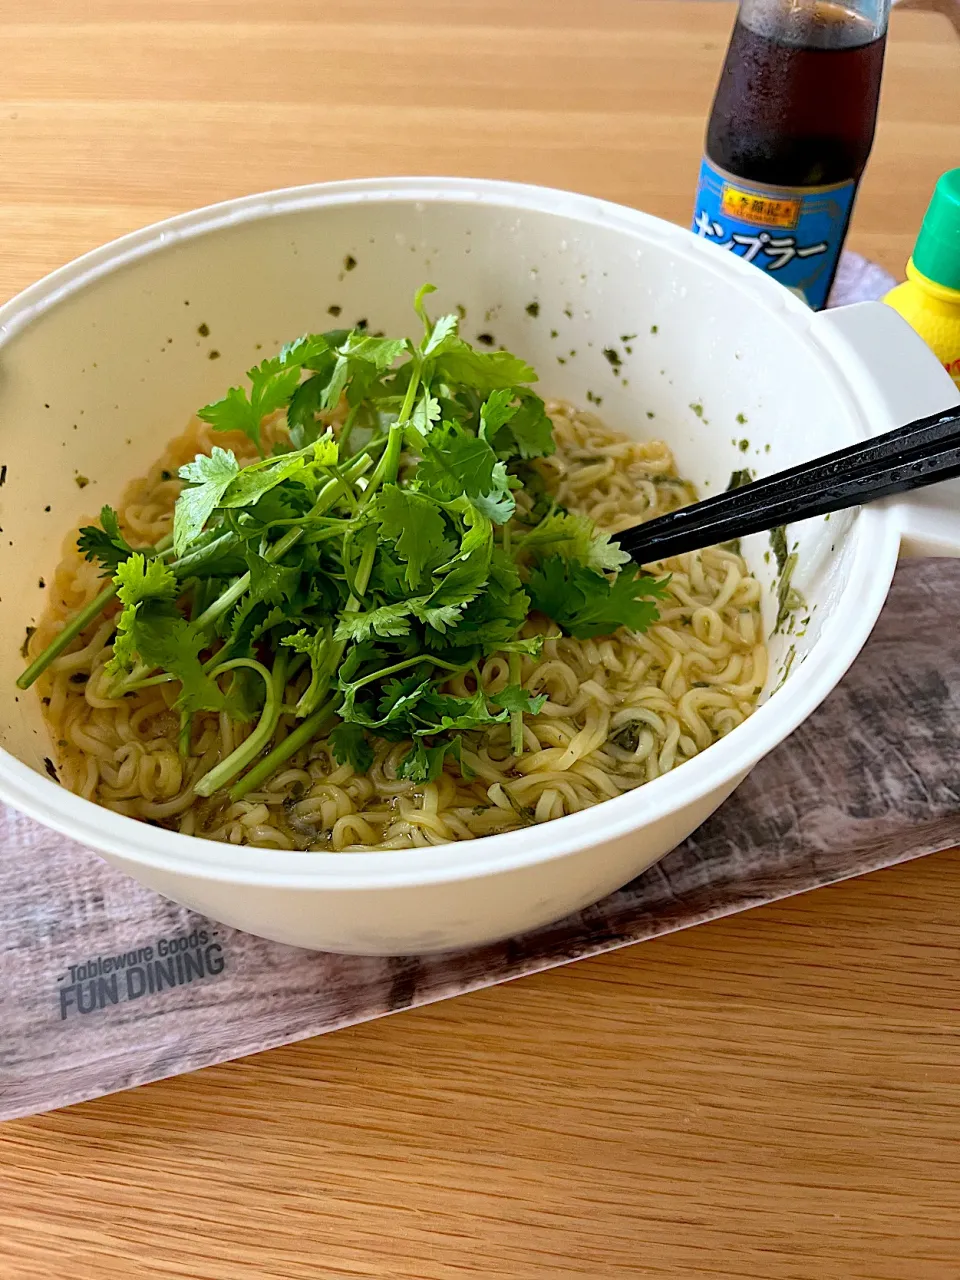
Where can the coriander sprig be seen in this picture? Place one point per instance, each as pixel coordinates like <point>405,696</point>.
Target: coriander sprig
<point>344,592</point>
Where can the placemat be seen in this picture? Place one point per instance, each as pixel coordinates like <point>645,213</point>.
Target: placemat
<point>105,985</point>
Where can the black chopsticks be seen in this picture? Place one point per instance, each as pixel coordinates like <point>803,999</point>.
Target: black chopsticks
<point>920,453</point>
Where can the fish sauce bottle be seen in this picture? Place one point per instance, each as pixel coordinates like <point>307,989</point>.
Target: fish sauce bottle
<point>790,132</point>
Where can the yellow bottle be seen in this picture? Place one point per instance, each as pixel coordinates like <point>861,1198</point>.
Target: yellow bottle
<point>929,299</point>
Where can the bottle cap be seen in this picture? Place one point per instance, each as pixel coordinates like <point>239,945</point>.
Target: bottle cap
<point>937,252</point>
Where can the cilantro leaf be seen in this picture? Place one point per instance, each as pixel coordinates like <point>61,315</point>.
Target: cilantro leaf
<point>250,620</point>
<point>175,646</point>
<point>397,699</point>
<point>440,617</point>
<point>339,376</point>
<point>305,404</point>
<point>439,713</point>
<point>386,621</point>
<point>496,411</point>
<point>322,657</point>
<point>272,388</point>
<point>150,628</point>
<point>455,464</point>
<point>587,604</point>
<point>357,657</point>
<point>140,580</point>
<point>531,429</point>
<point>311,351</point>
<point>380,352</point>
<point>245,695</point>
<point>270,585</point>
<point>124,655</point>
<point>269,582</point>
<point>272,618</point>
<point>469,570</point>
<point>233,413</point>
<point>253,482</point>
<point>575,538</point>
<point>400,696</point>
<point>106,543</point>
<point>444,328</point>
<point>515,698</point>
<point>218,481</point>
<point>491,618</point>
<point>360,361</point>
<point>208,479</point>
<point>499,503</point>
<point>419,306</point>
<point>288,355</point>
<point>529,646</point>
<point>514,422</point>
<point>389,577</point>
<point>350,746</point>
<point>454,361</point>
<point>423,763</point>
<point>425,413</point>
<point>273,382</point>
<point>279,506</point>
<point>416,525</point>
<point>249,486</point>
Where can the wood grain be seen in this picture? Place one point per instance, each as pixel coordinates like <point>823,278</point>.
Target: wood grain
<point>775,1096</point>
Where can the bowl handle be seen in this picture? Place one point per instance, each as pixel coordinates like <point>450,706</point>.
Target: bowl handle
<point>896,378</point>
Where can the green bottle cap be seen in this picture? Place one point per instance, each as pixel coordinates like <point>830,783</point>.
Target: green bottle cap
<point>937,253</point>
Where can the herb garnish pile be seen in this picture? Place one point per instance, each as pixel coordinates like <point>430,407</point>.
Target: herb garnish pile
<point>363,566</point>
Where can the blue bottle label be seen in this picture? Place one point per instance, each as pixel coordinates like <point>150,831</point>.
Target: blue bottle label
<point>793,233</point>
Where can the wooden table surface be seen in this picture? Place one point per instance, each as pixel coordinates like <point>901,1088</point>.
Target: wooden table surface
<point>774,1096</point>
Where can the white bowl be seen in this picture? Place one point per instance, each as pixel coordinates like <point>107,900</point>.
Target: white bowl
<point>91,384</point>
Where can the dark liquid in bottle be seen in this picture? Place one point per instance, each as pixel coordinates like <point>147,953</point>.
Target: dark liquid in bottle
<point>796,107</point>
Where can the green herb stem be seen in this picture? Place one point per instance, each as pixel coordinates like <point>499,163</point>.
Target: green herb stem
<point>332,660</point>
<point>412,387</point>
<point>66,636</point>
<point>183,738</point>
<point>365,568</point>
<point>237,589</point>
<point>346,488</point>
<point>317,689</point>
<point>516,717</point>
<point>80,623</point>
<point>276,683</point>
<point>347,428</point>
<point>369,450</point>
<point>325,499</point>
<point>134,683</point>
<point>409,662</point>
<point>299,737</point>
<point>388,465</point>
<point>414,438</point>
<point>188,564</point>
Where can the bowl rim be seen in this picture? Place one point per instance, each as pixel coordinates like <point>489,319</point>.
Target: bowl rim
<point>721,767</point>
